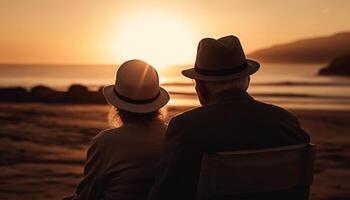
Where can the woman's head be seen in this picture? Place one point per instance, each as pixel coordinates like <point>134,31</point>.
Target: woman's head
<point>136,89</point>
<point>136,96</point>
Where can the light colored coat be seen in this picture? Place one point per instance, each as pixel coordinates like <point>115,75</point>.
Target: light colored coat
<point>121,162</point>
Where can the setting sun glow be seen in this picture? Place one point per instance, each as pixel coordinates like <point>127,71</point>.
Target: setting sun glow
<point>159,40</point>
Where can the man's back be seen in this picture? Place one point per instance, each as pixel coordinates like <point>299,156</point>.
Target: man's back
<point>237,122</point>
<point>234,121</point>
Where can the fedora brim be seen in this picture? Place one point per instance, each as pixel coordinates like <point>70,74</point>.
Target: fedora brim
<point>159,102</point>
<point>251,68</point>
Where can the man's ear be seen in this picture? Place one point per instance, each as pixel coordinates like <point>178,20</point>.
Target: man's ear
<point>201,92</point>
<point>248,83</point>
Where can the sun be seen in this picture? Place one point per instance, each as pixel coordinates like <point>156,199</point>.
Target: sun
<point>157,39</point>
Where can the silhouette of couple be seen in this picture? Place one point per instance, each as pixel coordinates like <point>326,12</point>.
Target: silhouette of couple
<point>143,158</point>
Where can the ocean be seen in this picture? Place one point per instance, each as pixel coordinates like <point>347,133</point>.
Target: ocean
<point>295,86</point>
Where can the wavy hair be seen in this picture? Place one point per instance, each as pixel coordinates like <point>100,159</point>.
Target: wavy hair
<point>117,117</point>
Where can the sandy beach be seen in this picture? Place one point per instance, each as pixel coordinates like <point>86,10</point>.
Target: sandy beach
<point>42,148</point>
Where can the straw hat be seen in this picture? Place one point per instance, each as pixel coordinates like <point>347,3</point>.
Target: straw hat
<point>221,60</point>
<point>136,88</point>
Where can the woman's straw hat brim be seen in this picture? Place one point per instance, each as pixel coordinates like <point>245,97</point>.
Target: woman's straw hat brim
<point>156,104</point>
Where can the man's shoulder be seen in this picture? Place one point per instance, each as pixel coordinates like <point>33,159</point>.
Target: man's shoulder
<point>278,111</point>
<point>193,119</point>
<point>186,125</point>
<point>196,114</point>
<point>191,114</point>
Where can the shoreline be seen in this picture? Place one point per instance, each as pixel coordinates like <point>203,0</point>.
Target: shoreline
<point>82,94</point>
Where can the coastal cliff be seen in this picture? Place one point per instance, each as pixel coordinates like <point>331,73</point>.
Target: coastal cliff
<point>310,50</point>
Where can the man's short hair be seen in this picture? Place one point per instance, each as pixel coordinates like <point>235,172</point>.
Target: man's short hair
<point>217,87</point>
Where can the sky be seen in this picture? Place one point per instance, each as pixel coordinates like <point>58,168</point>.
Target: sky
<point>160,32</point>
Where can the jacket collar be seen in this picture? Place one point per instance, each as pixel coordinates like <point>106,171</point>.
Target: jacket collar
<point>231,95</point>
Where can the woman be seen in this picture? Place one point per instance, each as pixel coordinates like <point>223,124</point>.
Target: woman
<point>121,161</point>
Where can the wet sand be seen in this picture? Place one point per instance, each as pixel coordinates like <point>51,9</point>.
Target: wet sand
<point>42,148</point>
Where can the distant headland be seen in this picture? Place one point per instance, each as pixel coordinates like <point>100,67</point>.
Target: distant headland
<point>311,50</point>
<point>340,66</point>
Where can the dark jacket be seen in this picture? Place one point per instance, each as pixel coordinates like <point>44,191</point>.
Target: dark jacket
<point>235,121</point>
<point>121,163</point>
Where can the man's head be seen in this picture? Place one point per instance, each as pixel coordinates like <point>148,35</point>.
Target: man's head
<point>209,90</point>
<point>220,66</point>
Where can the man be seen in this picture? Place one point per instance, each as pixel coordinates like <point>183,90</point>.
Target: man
<point>228,120</point>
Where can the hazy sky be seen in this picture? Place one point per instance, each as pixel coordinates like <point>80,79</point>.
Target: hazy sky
<point>110,31</point>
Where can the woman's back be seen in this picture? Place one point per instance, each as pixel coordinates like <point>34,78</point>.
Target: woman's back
<point>122,162</point>
<point>132,153</point>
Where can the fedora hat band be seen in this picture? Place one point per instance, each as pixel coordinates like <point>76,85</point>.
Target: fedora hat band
<point>134,101</point>
<point>222,72</point>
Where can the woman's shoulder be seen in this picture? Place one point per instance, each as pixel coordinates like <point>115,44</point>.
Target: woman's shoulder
<point>113,134</point>
<point>125,132</point>
<point>109,138</point>
<point>107,134</point>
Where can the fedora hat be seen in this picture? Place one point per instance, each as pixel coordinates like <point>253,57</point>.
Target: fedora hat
<point>221,60</point>
<point>136,88</point>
